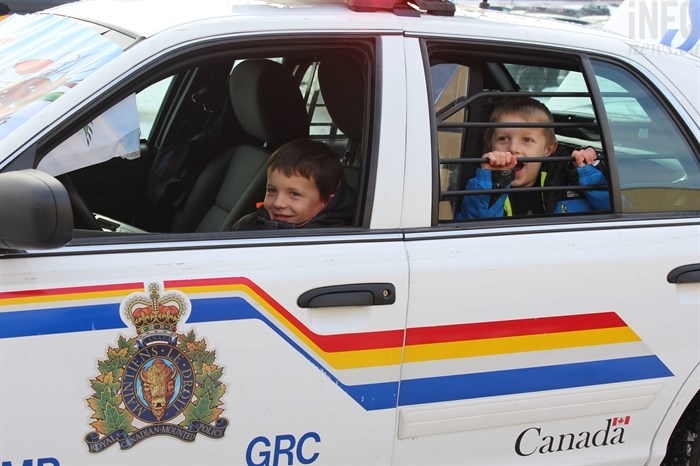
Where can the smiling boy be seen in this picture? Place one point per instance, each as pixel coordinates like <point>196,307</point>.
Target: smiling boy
<point>503,168</point>
<point>305,189</point>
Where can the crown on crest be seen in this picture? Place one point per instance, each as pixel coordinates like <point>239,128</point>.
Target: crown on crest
<point>155,312</point>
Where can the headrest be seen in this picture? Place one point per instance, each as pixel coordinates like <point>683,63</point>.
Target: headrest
<point>343,90</point>
<point>267,102</point>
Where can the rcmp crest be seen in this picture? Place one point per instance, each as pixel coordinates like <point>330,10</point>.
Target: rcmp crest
<point>159,382</point>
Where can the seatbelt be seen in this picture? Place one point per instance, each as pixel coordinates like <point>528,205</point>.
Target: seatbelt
<point>508,208</point>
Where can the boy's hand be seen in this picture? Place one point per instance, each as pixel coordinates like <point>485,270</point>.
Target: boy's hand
<point>499,161</point>
<point>584,156</point>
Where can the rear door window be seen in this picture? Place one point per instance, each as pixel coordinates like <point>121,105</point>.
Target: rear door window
<point>641,146</point>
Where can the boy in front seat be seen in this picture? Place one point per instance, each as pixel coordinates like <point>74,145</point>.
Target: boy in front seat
<point>501,169</point>
<point>305,189</point>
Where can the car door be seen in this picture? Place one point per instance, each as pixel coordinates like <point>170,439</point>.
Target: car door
<point>548,340</point>
<point>259,348</point>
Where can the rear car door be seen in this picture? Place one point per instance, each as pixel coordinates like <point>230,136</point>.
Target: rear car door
<point>214,347</point>
<point>549,339</point>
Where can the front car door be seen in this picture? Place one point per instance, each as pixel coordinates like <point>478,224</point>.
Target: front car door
<point>213,347</point>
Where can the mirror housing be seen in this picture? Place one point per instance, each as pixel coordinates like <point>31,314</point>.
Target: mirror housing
<point>35,211</point>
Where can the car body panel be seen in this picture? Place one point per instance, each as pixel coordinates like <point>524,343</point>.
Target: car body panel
<point>495,272</point>
<point>538,340</point>
<point>258,326</point>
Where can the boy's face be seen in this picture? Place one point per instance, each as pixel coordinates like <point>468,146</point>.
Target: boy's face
<point>522,142</point>
<point>292,199</point>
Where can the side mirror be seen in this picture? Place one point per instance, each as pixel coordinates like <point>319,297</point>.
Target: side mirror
<point>35,211</point>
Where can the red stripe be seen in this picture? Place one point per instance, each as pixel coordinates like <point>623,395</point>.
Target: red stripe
<point>424,335</point>
<point>327,343</point>
<point>512,328</point>
<point>374,340</point>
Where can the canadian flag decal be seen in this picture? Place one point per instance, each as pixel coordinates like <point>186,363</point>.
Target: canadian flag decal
<point>621,421</point>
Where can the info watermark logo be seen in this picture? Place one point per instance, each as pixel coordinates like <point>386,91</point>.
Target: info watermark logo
<point>672,23</point>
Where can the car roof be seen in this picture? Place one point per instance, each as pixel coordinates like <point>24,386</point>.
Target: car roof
<point>147,17</point>
<point>144,18</point>
<point>179,21</point>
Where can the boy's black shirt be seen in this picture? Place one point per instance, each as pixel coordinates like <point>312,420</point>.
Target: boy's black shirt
<point>337,213</point>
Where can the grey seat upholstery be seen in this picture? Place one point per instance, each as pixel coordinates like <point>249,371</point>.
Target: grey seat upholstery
<point>269,106</point>
<point>342,83</point>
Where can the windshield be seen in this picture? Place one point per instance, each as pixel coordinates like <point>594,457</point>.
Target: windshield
<point>43,57</point>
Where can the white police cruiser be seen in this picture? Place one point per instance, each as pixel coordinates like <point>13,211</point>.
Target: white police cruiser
<point>136,328</point>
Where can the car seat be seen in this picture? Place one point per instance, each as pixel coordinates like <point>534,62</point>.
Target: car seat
<point>269,106</point>
<point>342,83</point>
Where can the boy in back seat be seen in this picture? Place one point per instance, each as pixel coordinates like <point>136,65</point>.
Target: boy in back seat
<point>503,167</point>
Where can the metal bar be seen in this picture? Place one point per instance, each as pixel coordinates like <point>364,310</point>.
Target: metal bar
<point>459,106</point>
<point>518,159</point>
<point>483,160</point>
<point>475,192</point>
<point>505,124</point>
<point>463,103</point>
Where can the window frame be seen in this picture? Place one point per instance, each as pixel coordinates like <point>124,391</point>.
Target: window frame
<point>176,60</point>
<point>555,56</point>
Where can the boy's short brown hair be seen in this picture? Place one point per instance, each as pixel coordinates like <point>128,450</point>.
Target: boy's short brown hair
<point>311,159</point>
<point>528,109</point>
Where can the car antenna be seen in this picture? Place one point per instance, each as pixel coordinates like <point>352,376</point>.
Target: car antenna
<point>484,4</point>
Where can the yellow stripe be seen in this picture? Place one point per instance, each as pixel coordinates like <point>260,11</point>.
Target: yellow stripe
<point>337,360</point>
<point>387,356</point>
<point>363,358</point>
<point>520,344</point>
<point>439,351</point>
<point>67,297</point>
<point>210,288</point>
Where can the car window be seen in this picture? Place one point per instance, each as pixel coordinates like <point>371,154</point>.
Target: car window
<point>449,82</point>
<point>477,87</point>
<point>114,133</point>
<point>321,122</point>
<point>659,172</point>
<point>186,153</point>
<point>537,78</point>
<point>149,102</point>
<point>656,173</point>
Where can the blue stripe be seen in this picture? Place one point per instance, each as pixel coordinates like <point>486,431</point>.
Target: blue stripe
<point>374,396</point>
<point>60,320</point>
<point>531,379</point>
<point>221,309</point>
<point>106,317</point>
<point>370,396</point>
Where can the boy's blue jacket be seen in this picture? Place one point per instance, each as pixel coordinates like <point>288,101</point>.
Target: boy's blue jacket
<point>489,206</point>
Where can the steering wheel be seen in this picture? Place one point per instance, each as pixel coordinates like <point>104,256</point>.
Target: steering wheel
<point>82,215</point>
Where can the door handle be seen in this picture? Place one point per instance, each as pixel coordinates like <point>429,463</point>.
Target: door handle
<point>359,294</point>
<point>685,274</point>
